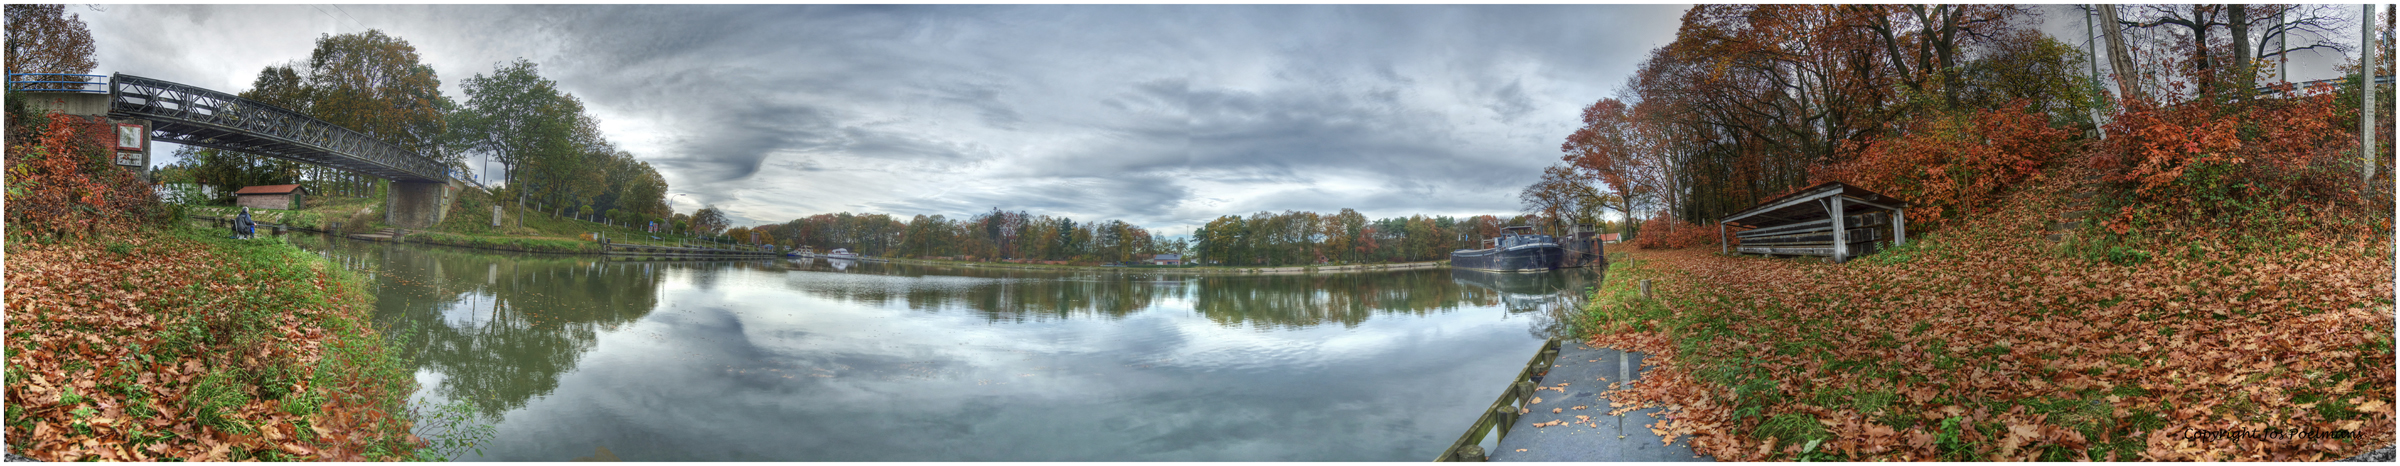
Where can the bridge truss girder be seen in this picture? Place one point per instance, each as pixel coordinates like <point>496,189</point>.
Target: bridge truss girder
<point>188,115</point>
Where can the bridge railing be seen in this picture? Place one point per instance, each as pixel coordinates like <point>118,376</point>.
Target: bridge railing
<point>193,116</point>
<point>58,82</point>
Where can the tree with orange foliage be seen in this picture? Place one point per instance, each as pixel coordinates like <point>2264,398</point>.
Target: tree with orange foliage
<point>44,39</point>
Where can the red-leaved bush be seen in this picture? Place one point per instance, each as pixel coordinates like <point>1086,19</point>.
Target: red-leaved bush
<point>1668,232</point>
<point>2152,146</point>
<point>62,183</point>
<point>2201,160</point>
<point>1948,165</point>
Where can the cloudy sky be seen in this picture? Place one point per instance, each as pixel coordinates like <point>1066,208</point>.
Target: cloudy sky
<point>1163,116</point>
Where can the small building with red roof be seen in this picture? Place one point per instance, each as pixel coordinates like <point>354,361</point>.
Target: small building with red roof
<point>275,196</point>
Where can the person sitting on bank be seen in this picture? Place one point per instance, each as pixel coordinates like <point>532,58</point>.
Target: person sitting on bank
<point>242,226</point>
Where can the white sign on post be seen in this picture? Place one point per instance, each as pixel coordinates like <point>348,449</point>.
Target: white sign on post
<point>129,137</point>
<point>129,145</point>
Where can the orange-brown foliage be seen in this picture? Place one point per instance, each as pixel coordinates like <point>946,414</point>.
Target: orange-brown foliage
<point>97,324</point>
<point>1667,232</point>
<point>62,182</point>
<point>2153,145</point>
<point>2172,360</point>
<point>1948,165</point>
<point>2201,160</point>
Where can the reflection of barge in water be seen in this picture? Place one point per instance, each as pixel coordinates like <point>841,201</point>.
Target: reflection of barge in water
<point>1516,250</point>
<point>1529,284</point>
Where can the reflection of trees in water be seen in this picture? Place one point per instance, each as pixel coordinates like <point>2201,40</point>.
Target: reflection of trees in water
<point>501,328</point>
<point>1297,301</point>
<point>997,294</point>
<point>1266,302</point>
<point>1017,300</point>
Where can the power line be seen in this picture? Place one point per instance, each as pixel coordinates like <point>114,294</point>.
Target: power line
<point>321,10</point>
<point>353,19</point>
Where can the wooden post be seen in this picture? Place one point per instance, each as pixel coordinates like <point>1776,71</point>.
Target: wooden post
<point>1471,454</point>
<point>1504,419</point>
<point>1899,227</point>
<point>1841,242</point>
<point>1645,289</point>
<point>1721,245</point>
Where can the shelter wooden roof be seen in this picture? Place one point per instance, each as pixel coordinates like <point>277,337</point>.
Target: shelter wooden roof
<point>269,189</point>
<point>1802,206</point>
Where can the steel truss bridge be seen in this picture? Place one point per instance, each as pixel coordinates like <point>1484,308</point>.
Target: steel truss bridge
<point>192,116</point>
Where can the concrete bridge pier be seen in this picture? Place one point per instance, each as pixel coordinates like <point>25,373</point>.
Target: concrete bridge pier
<point>417,204</point>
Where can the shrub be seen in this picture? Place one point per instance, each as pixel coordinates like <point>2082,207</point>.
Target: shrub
<point>2236,165</point>
<point>1665,232</point>
<point>1952,164</point>
<point>62,183</point>
<point>2150,147</point>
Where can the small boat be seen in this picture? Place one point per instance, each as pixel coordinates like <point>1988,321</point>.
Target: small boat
<point>840,253</point>
<point>1516,250</point>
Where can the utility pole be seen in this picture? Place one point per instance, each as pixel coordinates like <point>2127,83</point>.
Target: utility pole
<point>2366,114</point>
<point>2091,54</point>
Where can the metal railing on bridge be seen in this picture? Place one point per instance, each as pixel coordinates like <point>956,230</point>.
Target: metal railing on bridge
<point>189,115</point>
<point>58,82</point>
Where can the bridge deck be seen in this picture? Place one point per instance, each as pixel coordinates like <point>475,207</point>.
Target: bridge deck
<point>188,115</point>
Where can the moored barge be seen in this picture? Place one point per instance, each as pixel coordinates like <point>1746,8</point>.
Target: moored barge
<point>1516,250</point>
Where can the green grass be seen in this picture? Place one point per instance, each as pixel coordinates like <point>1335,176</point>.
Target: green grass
<point>507,243</point>
<point>359,364</point>
<point>320,213</point>
<point>1618,303</point>
<point>469,224</point>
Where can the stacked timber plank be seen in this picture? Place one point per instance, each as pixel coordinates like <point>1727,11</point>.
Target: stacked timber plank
<point>1816,238</point>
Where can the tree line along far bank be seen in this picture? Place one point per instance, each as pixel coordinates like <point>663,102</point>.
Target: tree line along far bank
<point>1261,239</point>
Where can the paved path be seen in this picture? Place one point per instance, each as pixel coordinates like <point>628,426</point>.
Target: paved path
<point>1587,371</point>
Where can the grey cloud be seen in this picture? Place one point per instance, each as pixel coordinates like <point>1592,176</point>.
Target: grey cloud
<point>1133,199</point>
<point>1088,111</point>
<point>734,144</point>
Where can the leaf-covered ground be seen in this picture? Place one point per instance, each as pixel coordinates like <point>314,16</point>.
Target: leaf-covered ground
<point>1984,343</point>
<point>174,345</point>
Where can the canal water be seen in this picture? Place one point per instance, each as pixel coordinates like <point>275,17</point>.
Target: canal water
<point>817,360</point>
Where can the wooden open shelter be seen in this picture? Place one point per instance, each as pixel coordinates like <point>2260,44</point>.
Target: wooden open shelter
<point>1832,219</point>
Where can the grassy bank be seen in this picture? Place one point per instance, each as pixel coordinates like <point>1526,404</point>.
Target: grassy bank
<point>171,343</point>
<point>353,214</point>
<point>468,225</point>
<point>1984,343</point>
<point>507,243</point>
